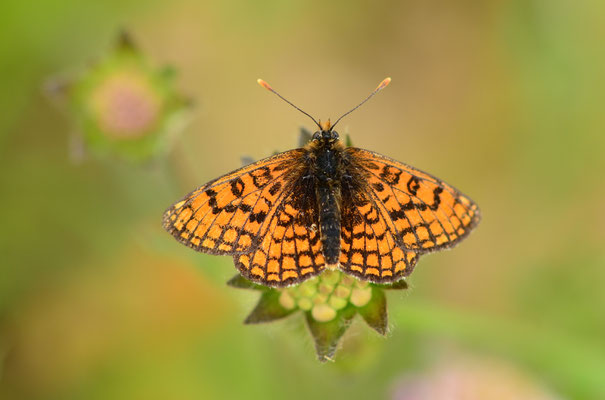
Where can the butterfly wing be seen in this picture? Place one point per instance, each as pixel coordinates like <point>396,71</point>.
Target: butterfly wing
<point>369,249</point>
<point>425,213</point>
<point>229,215</point>
<point>291,249</point>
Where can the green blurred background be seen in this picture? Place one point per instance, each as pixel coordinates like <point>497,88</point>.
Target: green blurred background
<point>503,99</point>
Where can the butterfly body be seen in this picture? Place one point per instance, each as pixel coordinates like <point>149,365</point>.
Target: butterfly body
<point>288,217</point>
<point>326,167</point>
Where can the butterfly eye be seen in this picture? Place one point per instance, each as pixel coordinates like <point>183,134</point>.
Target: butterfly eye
<point>335,135</point>
<point>316,136</point>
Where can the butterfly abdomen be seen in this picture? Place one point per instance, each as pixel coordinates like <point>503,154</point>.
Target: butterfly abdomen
<point>328,172</point>
<point>329,222</point>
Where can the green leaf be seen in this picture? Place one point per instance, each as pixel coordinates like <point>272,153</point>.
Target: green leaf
<point>268,309</point>
<point>246,160</point>
<point>125,42</point>
<point>240,282</point>
<point>399,285</point>
<point>328,334</point>
<point>375,312</point>
<point>305,136</point>
<point>168,72</point>
<point>348,141</point>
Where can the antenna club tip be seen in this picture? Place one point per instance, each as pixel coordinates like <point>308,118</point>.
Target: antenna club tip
<point>384,83</point>
<point>263,84</point>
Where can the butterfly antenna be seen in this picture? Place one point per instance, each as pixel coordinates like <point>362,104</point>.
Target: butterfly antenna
<point>269,88</point>
<point>382,85</point>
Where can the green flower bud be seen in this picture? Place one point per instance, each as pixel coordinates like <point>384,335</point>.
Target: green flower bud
<point>331,277</point>
<point>342,292</point>
<point>323,312</point>
<point>326,289</point>
<point>122,106</point>
<point>286,300</point>
<point>362,284</point>
<point>361,297</point>
<point>337,303</point>
<point>348,280</point>
<point>320,298</point>
<point>305,303</point>
<point>308,288</point>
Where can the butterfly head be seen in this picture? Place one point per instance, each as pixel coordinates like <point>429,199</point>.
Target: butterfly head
<point>325,134</point>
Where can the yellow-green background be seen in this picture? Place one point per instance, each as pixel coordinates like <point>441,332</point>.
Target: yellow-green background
<point>503,99</point>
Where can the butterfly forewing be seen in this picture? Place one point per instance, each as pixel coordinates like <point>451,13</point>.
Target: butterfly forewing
<point>229,214</point>
<point>425,213</point>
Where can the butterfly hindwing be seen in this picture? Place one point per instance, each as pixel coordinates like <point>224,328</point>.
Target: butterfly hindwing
<point>426,213</point>
<point>369,249</point>
<point>291,250</point>
<point>228,215</point>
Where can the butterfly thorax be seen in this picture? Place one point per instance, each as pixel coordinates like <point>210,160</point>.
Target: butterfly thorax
<point>326,152</point>
<point>326,166</point>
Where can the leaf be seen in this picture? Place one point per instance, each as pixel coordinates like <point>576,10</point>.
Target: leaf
<point>328,334</point>
<point>268,309</point>
<point>348,141</point>
<point>125,41</point>
<point>240,282</point>
<point>375,312</point>
<point>399,285</point>
<point>305,136</point>
<point>246,160</point>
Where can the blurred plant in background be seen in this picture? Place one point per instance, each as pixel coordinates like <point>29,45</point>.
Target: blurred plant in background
<point>122,106</point>
<point>470,379</point>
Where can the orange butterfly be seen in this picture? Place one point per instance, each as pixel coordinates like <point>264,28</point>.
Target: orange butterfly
<point>288,217</point>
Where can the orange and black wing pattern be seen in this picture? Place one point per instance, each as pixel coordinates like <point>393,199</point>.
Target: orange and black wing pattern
<point>421,212</point>
<point>369,247</point>
<point>291,249</point>
<point>230,215</point>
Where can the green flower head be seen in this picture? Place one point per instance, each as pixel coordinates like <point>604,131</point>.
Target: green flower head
<point>329,302</point>
<point>123,106</point>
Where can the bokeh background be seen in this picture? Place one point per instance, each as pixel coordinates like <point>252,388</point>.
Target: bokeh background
<point>503,99</point>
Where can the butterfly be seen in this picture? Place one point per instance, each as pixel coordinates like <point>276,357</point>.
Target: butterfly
<point>288,217</point>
